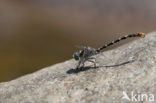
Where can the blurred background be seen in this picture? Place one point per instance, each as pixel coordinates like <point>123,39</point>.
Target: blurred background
<point>39,33</point>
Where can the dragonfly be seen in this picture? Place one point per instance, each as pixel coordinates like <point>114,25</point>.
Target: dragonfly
<point>87,52</point>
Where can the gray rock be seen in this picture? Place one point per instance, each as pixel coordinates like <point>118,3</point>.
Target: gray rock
<point>129,69</point>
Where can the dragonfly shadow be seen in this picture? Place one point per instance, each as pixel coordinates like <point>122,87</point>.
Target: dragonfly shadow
<point>77,70</point>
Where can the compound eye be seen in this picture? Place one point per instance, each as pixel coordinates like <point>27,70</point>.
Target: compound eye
<point>76,56</point>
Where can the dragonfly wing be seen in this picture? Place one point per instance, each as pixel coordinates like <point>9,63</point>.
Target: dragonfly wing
<point>80,47</point>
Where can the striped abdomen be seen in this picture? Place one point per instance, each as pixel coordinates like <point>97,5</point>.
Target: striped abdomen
<point>142,35</point>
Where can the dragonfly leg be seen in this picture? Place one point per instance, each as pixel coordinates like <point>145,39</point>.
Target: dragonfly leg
<point>79,63</point>
<point>82,61</point>
<point>92,62</point>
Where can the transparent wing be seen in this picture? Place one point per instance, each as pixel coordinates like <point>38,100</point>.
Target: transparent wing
<point>84,47</point>
<point>80,46</point>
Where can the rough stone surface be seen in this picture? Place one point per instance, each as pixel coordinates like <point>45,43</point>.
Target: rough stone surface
<point>129,68</point>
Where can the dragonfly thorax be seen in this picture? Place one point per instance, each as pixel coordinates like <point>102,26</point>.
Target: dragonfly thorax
<point>85,53</point>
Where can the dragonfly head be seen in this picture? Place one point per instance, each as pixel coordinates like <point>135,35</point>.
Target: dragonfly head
<point>76,56</point>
